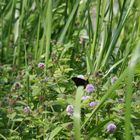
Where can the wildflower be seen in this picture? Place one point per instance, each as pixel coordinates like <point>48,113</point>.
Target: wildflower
<point>69,126</point>
<point>90,88</point>
<point>70,110</point>
<point>93,104</point>
<point>113,80</point>
<point>85,98</point>
<point>26,109</point>
<point>41,65</point>
<point>17,86</point>
<point>46,79</point>
<point>111,128</point>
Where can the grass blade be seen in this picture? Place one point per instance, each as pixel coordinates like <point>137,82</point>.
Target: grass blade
<point>77,112</point>
<point>61,38</point>
<point>129,92</point>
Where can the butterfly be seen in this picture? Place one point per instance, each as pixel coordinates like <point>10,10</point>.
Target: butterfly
<point>80,81</point>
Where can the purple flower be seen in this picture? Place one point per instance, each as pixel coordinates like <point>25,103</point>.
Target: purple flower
<point>113,80</point>
<point>26,109</point>
<point>93,104</point>
<point>85,98</point>
<point>46,79</point>
<point>41,65</point>
<point>111,128</point>
<point>90,88</point>
<point>70,110</point>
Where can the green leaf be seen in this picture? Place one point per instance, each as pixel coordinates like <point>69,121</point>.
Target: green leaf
<point>11,116</point>
<point>55,132</point>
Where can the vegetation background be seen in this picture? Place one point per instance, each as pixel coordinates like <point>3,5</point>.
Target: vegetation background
<point>99,39</point>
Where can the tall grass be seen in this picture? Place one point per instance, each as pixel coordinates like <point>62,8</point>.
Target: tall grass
<point>83,35</point>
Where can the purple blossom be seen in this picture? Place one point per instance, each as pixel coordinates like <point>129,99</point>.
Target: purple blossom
<point>46,79</point>
<point>85,98</point>
<point>26,109</point>
<point>111,128</point>
<point>93,104</point>
<point>70,110</point>
<point>41,65</point>
<point>90,88</point>
<point>113,80</point>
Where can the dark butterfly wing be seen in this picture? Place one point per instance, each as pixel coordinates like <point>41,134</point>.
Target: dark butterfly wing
<point>79,81</point>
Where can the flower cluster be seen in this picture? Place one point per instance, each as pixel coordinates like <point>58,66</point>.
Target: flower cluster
<point>111,128</point>
<point>27,109</point>
<point>93,104</point>
<point>85,98</point>
<point>70,110</point>
<point>113,80</point>
<point>90,88</point>
<point>41,65</point>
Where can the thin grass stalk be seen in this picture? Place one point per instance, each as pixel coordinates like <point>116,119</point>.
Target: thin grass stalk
<point>6,21</point>
<point>128,98</point>
<point>1,37</point>
<point>96,30</point>
<point>65,11</point>
<point>129,92</point>
<point>117,33</point>
<point>7,52</point>
<point>119,3</point>
<point>83,20</point>
<point>122,10</point>
<point>48,31</point>
<point>3,137</point>
<point>108,17</point>
<point>27,75</point>
<point>90,26</point>
<point>16,30</point>
<point>90,34</point>
<point>37,40</point>
<point>77,113</point>
<point>62,36</point>
<point>22,5</point>
<point>101,52</point>
<point>128,48</point>
<point>41,47</point>
<point>100,55</point>
<point>113,67</point>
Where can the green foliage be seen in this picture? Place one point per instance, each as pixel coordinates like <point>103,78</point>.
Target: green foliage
<point>98,39</point>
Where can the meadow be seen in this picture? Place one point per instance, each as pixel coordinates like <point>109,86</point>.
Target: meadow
<point>69,70</point>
